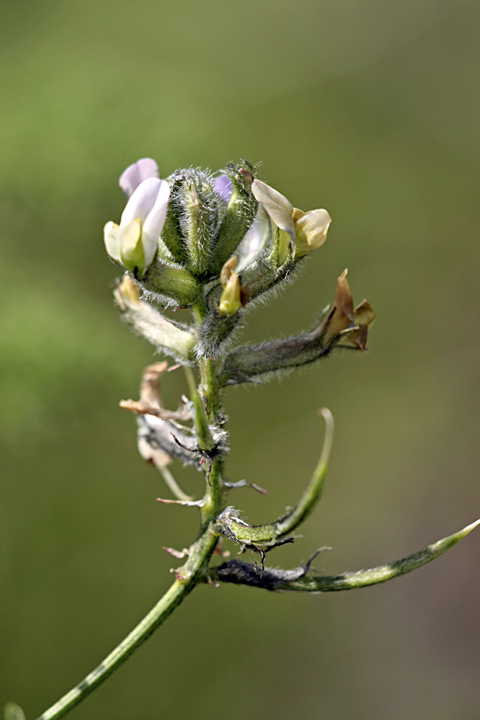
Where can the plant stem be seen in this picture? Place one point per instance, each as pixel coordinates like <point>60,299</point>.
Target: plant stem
<point>186,577</point>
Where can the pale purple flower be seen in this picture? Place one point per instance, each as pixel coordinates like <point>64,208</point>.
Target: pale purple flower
<point>135,174</point>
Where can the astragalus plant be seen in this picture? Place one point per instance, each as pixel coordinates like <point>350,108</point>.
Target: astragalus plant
<point>219,244</point>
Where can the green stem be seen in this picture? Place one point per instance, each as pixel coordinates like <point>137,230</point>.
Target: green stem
<point>210,383</point>
<point>187,578</point>
<point>212,392</point>
<point>211,388</point>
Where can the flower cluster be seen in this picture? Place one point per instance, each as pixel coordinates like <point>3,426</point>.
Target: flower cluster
<point>216,242</point>
<point>181,231</point>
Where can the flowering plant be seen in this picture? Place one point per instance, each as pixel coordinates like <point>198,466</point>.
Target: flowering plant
<point>218,244</point>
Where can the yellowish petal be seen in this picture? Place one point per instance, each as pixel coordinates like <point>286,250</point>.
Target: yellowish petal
<point>230,300</point>
<point>277,206</point>
<point>311,231</point>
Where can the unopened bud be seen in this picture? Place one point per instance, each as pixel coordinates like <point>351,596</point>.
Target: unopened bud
<point>228,269</point>
<point>223,187</point>
<point>230,299</point>
<point>239,216</point>
<point>199,232</point>
<point>129,290</point>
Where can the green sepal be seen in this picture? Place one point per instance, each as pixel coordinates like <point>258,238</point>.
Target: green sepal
<point>172,282</point>
<point>172,231</point>
<point>198,207</point>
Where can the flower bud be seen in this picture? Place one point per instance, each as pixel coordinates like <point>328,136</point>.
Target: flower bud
<point>194,220</point>
<point>230,300</point>
<point>240,213</point>
<point>228,269</point>
<point>198,212</point>
<point>128,290</point>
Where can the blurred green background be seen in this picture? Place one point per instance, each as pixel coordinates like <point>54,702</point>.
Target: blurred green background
<point>367,108</point>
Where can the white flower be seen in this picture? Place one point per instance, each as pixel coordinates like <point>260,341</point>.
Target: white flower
<point>276,205</point>
<point>256,239</point>
<point>307,230</point>
<point>134,242</point>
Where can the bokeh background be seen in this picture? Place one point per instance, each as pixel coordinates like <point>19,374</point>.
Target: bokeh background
<point>367,108</point>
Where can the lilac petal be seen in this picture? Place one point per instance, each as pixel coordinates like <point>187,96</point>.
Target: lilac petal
<point>142,201</point>
<point>223,187</point>
<point>153,225</point>
<point>136,174</point>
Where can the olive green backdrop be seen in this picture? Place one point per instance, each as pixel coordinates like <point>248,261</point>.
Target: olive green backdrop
<point>367,108</point>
